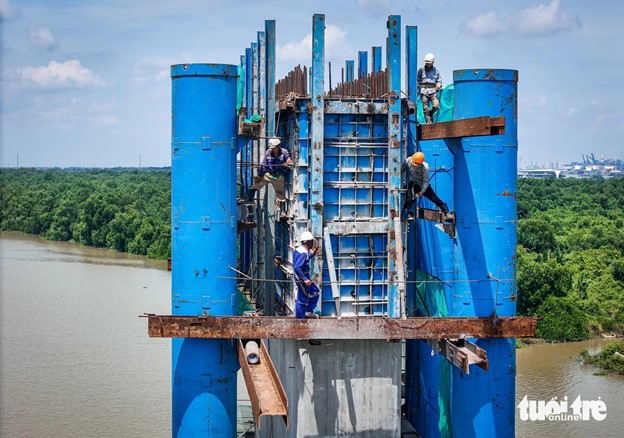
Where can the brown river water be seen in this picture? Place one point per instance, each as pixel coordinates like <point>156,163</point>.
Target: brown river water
<point>76,361</point>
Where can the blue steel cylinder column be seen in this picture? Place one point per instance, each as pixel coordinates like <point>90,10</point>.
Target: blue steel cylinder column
<point>203,222</point>
<point>485,254</point>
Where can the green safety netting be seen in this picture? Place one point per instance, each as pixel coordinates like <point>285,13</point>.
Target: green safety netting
<point>447,103</point>
<point>255,118</point>
<point>243,304</point>
<point>432,292</point>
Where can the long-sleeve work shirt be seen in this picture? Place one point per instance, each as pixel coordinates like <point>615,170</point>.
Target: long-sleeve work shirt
<point>300,262</point>
<point>275,165</point>
<point>418,173</point>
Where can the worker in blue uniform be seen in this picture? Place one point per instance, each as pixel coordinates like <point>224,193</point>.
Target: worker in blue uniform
<point>429,82</point>
<point>307,292</point>
<point>273,168</point>
<point>417,173</point>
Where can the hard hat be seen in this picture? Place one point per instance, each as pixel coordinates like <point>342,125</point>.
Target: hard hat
<point>306,236</point>
<point>418,158</point>
<point>274,142</point>
<point>429,58</point>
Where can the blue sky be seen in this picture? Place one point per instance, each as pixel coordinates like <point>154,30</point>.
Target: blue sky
<point>86,82</point>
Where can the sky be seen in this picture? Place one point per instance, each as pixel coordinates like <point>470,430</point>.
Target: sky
<point>87,82</point>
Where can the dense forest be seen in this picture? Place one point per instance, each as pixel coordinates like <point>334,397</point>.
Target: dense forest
<point>126,210</point>
<point>570,234</point>
<point>571,256</point>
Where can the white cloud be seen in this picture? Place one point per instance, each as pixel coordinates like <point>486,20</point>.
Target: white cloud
<point>296,51</point>
<point>7,11</point>
<point>336,47</point>
<point>43,37</point>
<point>544,20</point>
<point>569,112</point>
<point>484,25</point>
<point>540,20</point>
<point>69,74</point>
<point>151,69</point>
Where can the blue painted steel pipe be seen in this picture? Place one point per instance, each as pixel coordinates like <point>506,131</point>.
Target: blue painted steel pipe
<point>349,70</point>
<point>485,254</point>
<point>203,216</point>
<point>362,64</point>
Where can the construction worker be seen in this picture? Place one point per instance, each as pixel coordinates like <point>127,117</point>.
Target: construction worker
<point>307,292</point>
<point>272,170</point>
<point>418,175</point>
<point>429,82</point>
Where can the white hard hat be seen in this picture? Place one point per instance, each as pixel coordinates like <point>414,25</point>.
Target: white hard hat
<point>274,142</point>
<point>429,57</point>
<point>306,236</point>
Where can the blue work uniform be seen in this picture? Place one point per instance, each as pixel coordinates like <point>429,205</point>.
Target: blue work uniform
<point>274,165</point>
<point>307,296</point>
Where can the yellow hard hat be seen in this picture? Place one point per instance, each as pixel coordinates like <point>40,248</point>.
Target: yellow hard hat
<point>418,158</point>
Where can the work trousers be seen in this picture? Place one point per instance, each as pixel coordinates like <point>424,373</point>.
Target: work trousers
<point>435,105</point>
<point>414,189</point>
<point>307,297</point>
<point>276,182</point>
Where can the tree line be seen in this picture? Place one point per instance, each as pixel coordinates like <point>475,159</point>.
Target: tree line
<point>126,210</point>
<point>570,240</point>
<point>571,256</point>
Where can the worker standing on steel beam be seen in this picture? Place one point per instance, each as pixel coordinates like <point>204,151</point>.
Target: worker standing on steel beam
<point>307,292</point>
<point>418,174</point>
<point>273,168</point>
<point>429,82</point>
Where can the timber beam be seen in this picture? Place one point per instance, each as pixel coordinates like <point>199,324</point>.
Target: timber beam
<point>463,128</point>
<point>284,327</point>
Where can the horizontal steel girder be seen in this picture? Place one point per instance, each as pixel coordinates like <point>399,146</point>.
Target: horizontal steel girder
<point>463,128</point>
<point>283,327</point>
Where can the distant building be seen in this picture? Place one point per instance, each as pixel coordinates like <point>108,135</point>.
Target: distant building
<point>539,173</point>
<point>589,168</point>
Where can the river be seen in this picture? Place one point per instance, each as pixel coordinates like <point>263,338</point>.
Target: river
<point>76,361</point>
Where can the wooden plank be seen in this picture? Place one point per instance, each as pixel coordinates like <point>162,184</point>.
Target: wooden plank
<point>284,327</point>
<point>463,128</point>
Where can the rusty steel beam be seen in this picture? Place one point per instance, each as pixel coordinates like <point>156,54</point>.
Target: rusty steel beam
<point>266,393</point>
<point>446,225</point>
<point>461,352</point>
<point>463,128</point>
<point>283,327</point>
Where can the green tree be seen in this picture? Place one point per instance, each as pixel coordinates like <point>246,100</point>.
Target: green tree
<point>563,320</point>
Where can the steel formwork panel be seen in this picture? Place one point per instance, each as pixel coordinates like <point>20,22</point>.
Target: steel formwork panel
<point>355,195</point>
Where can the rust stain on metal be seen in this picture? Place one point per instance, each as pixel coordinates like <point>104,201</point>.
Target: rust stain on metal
<point>490,74</point>
<point>279,327</point>
<point>507,193</point>
<point>475,126</point>
<point>265,389</point>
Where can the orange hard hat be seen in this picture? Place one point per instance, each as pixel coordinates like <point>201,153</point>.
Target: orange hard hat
<point>418,158</point>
